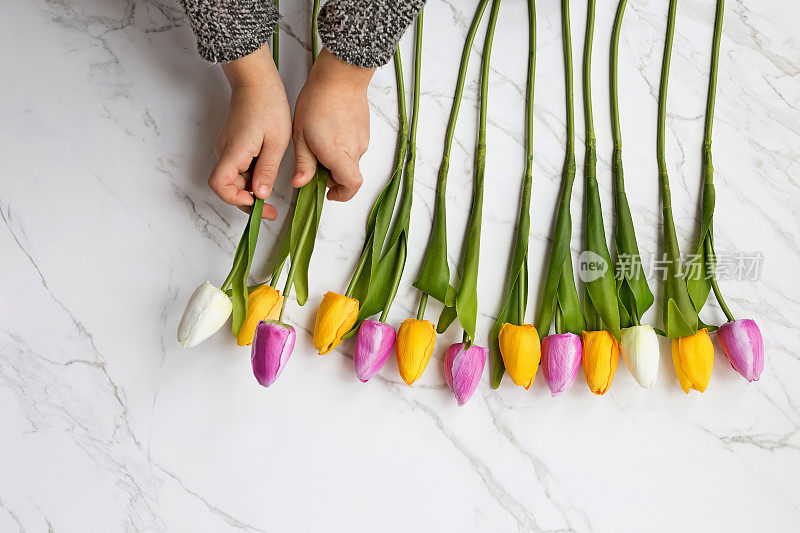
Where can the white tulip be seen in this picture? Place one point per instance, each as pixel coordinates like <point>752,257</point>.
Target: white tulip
<point>206,312</point>
<point>639,347</point>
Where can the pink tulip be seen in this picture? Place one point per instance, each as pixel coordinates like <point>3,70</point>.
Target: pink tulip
<point>742,343</point>
<point>561,359</point>
<point>463,369</point>
<point>374,345</point>
<point>272,346</point>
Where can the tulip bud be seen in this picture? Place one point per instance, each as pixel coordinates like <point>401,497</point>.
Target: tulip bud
<point>463,368</point>
<point>743,346</point>
<point>264,303</point>
<point>415,341</point>
<point>206,312</point>
<point>272,346</point>
<point>561,359</point>
<point>639,347</point>
<point>693,357</point>
<point>600,359</point>
<point>521,351</point>
<point>374,344</point>
<point>336,316</point>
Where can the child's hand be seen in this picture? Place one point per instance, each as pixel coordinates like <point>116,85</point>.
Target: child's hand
<point>331,124</point>
<point>258,125</point>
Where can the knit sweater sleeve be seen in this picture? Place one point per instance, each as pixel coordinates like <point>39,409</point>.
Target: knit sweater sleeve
<point>230,29</point>
<point>365,33</point>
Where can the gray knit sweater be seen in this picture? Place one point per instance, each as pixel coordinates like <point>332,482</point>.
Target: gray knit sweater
<point>360,32</point>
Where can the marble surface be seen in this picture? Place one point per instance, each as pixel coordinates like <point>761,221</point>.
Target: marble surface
<point>108,118</point>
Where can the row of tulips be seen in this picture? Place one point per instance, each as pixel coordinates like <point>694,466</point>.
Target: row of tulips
<point>591,336</point>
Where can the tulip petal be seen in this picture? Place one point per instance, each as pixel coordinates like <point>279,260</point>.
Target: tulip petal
<point>640,351</point>
<point>374,345</point>
<point>463,369</point>
<point>336,316</point>
<point>206,312</point>
<point>561,360</point>
<point>743,346</point>
<point>272,346</point>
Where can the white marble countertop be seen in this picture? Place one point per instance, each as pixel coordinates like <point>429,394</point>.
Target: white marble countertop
<point>108,118</point>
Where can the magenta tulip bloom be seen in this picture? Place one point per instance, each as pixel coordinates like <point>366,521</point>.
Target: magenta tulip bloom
<point>374,345</point>
<point>463,369</point>
<point>561,359</point>
<point>272,346</point>
<point>741,341</point>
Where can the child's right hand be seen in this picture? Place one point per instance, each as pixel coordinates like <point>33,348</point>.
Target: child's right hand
<point>258,125</point>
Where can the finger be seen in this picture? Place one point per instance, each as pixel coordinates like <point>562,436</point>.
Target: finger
<point>226,178</point>
<point>346,174</point>
<point>305,164</point>
<point>266,168</point>
<point>269,212</point>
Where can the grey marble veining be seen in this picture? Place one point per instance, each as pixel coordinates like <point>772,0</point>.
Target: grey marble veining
<point>107,225</point>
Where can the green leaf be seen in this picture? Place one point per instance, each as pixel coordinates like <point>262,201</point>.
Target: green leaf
<point>239,294</point>
<point>602,291</point>
<point>446,317</point>
<point>434,275</point>
<point>568,301</point>
<point>701,266</point>
<point>309,204</point>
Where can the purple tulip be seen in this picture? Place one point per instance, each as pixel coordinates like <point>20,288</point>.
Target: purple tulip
<point>742,343</point>
<point>561,359</point>
<point>374,345</point>
<point>272,346</point>
<point>463,369</point>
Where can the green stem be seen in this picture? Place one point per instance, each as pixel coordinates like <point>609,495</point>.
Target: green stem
<point>359,267</point>
<point>423,301</point>
<point>559,320</point>
<point>411,161</point>
<point>707,164</point>
<point>238,257</point>
<point>712,82</point>
<point>314,41</point>
<point>670,239</point>
<point>434,276</point>
<point>467,297</point>
<point>386,200</point>
<point>587,71</point>
<point>398,273</point>
<point>615,128</point>
<point>290,277</point>
<point>522,302</point>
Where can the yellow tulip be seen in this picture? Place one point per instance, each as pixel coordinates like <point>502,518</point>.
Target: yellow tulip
<point>521,352</point>
<point>264,303</point>
<point>414,346</point>
<point>600,358</point>
<point>336,316</point>
<point>693,357</point>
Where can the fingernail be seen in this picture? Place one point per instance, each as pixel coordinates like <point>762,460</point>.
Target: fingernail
<point>263,191</point>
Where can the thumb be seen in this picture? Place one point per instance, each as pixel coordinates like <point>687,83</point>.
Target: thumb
<point>305,164</point>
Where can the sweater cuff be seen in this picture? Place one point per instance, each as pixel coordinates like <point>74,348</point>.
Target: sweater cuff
<point>365,33</point>
<point>229,30</point>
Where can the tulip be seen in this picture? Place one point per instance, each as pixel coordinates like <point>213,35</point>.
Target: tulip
<point>415,341</point>
<point>336,316</point>
<point>264,303</point>
<point>743,346</point>
<point>693,357</point>
<point>272,346</point>
<point>561,359</point>
<point>463,368</point>
<point>600,359</point>
<point>520,349</point>
<point>639,347</point>
<point>206,312</point>
<point>374,345</point>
